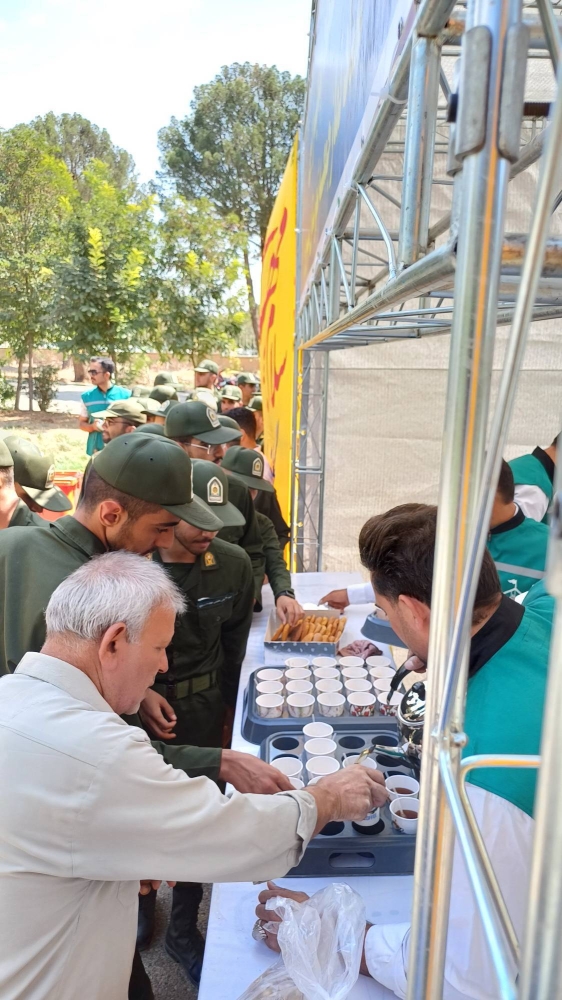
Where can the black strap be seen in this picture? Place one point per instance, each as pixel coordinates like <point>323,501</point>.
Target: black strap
<point>546,462</point>
<point>513,522</point>
<point>498,630</point>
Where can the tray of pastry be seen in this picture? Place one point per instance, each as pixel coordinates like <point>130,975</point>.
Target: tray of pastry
<point>317,633</point>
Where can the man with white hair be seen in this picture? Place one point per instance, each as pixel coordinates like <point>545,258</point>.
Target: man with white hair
<point>90,808</point>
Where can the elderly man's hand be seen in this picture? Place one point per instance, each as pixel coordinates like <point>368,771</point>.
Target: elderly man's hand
<point>158,715</point>
<point>250,774</point>
<point>288,609</point>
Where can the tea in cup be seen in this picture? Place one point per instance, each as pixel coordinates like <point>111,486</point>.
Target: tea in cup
<point>404,812</point>
<point>401,786</point>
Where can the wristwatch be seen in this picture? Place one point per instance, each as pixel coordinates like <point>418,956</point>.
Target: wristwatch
<point>286,593</point>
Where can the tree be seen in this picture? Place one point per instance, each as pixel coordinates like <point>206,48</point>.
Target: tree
<point>78,143</point>
<point>36,193</point>
<point>105,283</point>
<point>233,146</point>
<point>201,279</point>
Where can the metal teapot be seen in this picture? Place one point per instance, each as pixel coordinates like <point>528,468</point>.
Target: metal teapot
<point>410,718</point>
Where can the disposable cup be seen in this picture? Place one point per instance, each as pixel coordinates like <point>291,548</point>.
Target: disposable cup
<point>330,685</point>
<point>298,674</point>
<point>314,781</point>
<point>299,687</point>
<point>297,782</point>
<point>320,746</point>
<point>354,673</point>
<point>353,758</point>
<point>351,661</point>
<point>324,661</point>
<point>297,661</point>
<point>386,705</point>
<point>378,661</point>
<point>362,703</point>
<point>314,730</point>
<point>318,767</point>
<point>326,673</point>
<point>270,706</point>
<point>270,687</point>
<point>290,766</point>
<point>361,684</point>
<point>371,819</point>
<point>331,704</point>
<point>402,781</point>
<point>300,705</point>
<point>377,672</point>
<point>382,684</point>
<point>270,674</point>
<point>401,822</point>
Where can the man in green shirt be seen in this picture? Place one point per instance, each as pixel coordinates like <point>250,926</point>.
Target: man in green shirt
<point>96,400</point>
<point>534,477</point>
<point>517,543</point>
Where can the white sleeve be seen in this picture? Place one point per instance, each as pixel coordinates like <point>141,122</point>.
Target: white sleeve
<point>360,593</point>
<point>386,955</point>
<point>532,501</point>
<point>142,818</point>
<point>83,411</point>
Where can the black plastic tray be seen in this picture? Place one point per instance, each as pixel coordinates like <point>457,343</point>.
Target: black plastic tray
<point>256,730</point>
<point>341,849</point>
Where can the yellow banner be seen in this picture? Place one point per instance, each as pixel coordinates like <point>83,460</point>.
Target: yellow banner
<point>277,328</point>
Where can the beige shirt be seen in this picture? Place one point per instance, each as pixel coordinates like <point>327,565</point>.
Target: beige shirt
<point>87,808</point>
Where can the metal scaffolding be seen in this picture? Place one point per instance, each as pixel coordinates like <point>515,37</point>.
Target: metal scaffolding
<point>432,256</point>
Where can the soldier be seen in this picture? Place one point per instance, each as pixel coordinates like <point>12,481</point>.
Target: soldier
<point>162,412</point>
<point>34,480</point>
<point>165,378</point>
<point>206,375</point>
<point>247,383</point>
<point>205,658</point>
<point>164,393</point>
<point>150,408</point>
<point>534,481</point>
<point>231,396</point>
<point>140,391</point>
<point>256,405</point>
<point>246,420</point>
<point>207,396</point>
<point>97,399</point>
<point>122,417</point>
<point>266,502</point>
<point>247,466</point>
<point>152,429</point>
<point>13,511</point>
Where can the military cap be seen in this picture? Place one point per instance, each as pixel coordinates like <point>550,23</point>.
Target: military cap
<point>248,466</point>
<point>150,405</point>
<point>210,484</point>
<point>166,406</point>
<point>157,471</point>
<point>207,366</point>
<point>194,419</point>
<point>6,460</point>
<point>35,474</point>
<point>165,378</point>
<point>204,396</point>
<point>140,391</point>
<point>246,378</point>
<point>151,429</point>
<point>227,421</point>
<point>163,393</point>
<point>127,409</point>
<point>231,392</point>
<point>255,404</point>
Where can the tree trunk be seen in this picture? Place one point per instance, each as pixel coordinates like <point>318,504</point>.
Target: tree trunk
<point>18,384</point>
<point>251,299</point>
<point>30,371</point>
<point>79,370</point>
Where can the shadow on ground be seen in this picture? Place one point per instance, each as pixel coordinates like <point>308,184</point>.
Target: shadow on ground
<point>168,981</point>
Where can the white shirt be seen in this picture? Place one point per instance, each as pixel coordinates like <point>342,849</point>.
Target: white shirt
<point>532,501</point>
<point>508,835</point>
<point>360,593</point>
<point>87,808</point>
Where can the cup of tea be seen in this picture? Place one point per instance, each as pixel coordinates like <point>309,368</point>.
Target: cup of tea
<point>300,705</point>
<point>362,703</point>
<point>331,704</point>
<point>361,684</point>
<point>270,674</point>
<point>299,687</point>
<point>351,661</point>
<point>404,812</point>
<point>324,661</point>
<point>298,674</point>
<point>314,730</point>
<point>386,705</point>
<point>291,767</point>
<point>270,687</point>
<point>330,685</point>
<point>326,673</point>
<point>270,706</point>
<point>297,661</point>
<point>319,767</point>
<point>402,786</point>
<point>320,746</point>
<point>378,661</point>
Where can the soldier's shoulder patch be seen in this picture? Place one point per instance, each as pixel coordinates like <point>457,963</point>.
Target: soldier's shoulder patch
<point>257,467</point>
<point>215,492</point>
<point>209,559</point>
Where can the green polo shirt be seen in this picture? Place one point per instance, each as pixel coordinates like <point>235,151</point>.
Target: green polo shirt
<point>536,469</point>
<point>518,548</point>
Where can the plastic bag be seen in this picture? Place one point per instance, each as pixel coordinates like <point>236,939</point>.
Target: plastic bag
<point>321,942</point>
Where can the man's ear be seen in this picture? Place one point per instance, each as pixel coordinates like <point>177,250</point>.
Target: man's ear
<point>111,640</point>
<point>111,513</point>
<point>413,610</point>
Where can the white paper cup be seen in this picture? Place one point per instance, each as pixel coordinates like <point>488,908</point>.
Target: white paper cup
<point>402,822</point>
<point>354,673</point>
<point>389,707</point>
<point>323,687</point>
<point>409,787</point>
<point>270,687</point>
<point>362,703</point>
<point>315,730</point>
<point>320,746</point>
<point>300,705</point>
<point>351,661</point>
<point>377,672</point>
<point>327,674</point>
<point>314,781</point>
<point>353,758</point>
<point>382,684</point>
<point>270,674</point>
<point>361,684</point>
<point>270,706</point>
<point>298,674</point>
<point>319,767</point>
<point>297,783</point>
<point>378,661</point>
<point>299,687</point>
<point>297,661</point>
<point>324,661</point>
<point>331,704</point>
<point>289,766</point>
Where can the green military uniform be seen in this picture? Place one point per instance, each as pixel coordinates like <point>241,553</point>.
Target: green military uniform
<point>34,562</point>
<point>206,367</point>
<point>23,517</point>
<point>275,566</point>
<point>248,537</point>
<point>256,404</point>
<point>536,469</point>
<point>163,393</point>
<point>232,393</point>
<point>268,504</point>
<point>518,548</point>
<point>34,473</point>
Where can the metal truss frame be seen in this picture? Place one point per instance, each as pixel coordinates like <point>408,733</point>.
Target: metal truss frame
<point>494,278</point>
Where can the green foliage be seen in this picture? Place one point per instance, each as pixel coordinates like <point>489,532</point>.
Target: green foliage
<point>7,393</point>
<point>78,143</point>
<point>135,371</point>
<point>45,381</point>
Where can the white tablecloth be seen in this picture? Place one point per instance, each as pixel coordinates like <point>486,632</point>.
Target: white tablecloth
<point>232,958</point>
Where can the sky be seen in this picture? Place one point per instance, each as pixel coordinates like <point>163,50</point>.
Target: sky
<point>129,65</point>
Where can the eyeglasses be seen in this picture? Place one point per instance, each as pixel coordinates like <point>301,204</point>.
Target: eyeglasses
<point>94,371</point>
<point>204,447</point>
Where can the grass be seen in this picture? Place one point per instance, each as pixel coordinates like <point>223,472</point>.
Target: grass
<point>55,434</point>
